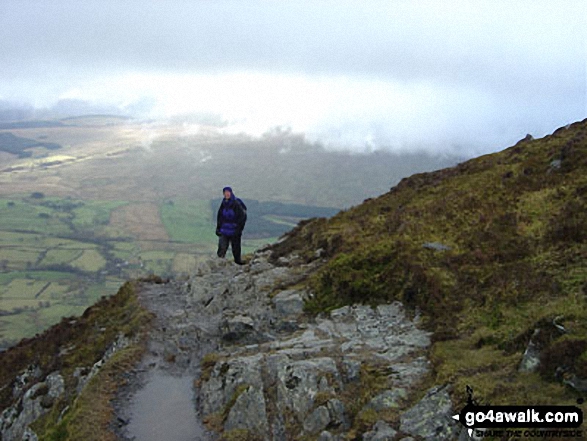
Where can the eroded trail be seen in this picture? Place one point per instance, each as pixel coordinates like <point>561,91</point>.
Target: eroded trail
<point>160,400</point>
<point>232,348</point>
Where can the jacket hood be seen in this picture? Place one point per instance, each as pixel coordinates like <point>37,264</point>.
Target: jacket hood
<point>232,196</point>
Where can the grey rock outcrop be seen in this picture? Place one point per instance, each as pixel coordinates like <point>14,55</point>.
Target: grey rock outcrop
<point>274,372</point>
<point>301,371</point>
<point>531,358</point>
<point>34,398</point>
<point>431,418</point>
<point>381,432</point>
<point>248,412</point>
<point>436,246</point>
<point>37,401</point>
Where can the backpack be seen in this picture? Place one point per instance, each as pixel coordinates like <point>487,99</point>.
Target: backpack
<point>244,207</point>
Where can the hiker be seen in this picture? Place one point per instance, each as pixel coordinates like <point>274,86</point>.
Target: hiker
<point>231,219</point>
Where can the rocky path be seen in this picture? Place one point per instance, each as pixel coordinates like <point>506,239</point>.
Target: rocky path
<point>256,367</point>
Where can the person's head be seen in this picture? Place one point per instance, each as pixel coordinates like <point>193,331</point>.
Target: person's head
<point>227,192</point>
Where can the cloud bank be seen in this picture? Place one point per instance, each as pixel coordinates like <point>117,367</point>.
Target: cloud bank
<point>455,75</point>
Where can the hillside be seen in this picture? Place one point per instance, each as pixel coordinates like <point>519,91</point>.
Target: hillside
<point>87,203</point>
<point>487,258</point>
<point>105,158</point>
<point>489,251</point>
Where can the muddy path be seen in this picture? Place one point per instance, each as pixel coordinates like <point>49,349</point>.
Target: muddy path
<point>193,318</point>
<point>160,401</point>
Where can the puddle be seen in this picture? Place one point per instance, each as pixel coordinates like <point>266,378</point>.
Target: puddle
<point>164,410</point>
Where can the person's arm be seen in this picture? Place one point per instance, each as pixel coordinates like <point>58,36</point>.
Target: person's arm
<point>218,220</point>
<point>240,217</point>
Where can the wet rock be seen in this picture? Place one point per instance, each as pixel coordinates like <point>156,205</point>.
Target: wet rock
<point>431,418</point>
<point>274,372</point>
<point>381,432</point>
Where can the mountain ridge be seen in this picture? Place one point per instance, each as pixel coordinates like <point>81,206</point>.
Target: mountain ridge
<point>495,246</point>
<point>491,253</point>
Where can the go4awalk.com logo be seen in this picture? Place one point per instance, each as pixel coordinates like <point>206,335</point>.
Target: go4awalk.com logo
<point>521,421</point>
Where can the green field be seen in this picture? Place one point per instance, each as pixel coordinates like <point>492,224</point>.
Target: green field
<point>59,255</point>
<point>188,221</point>
<point>52,256</point>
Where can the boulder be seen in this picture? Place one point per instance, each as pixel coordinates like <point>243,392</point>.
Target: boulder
<point>298,382</point>
<point>248,412</point>
<point>225,379</point>
<point>431,418</point>
<point>389,399</point>
<point>381,432</point>
<point>289,302</point>
<point>436,246</point>
<point>238,328</point>
<point>531,359</point>
<point>317,421</point>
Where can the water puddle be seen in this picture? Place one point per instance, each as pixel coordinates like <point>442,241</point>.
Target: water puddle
<point>164,410</point>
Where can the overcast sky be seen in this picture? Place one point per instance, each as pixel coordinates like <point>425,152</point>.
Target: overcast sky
<point>472,76</point>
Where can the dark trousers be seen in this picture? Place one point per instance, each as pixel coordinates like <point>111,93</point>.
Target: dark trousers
<point>235,243</point>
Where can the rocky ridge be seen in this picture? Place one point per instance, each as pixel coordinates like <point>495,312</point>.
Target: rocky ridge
<point>265,370</point>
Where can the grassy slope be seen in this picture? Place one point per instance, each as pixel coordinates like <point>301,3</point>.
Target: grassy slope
<point>516,226</point>
<point>81,342</point>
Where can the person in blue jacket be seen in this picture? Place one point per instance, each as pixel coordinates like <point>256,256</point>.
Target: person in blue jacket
<point>230,223</point>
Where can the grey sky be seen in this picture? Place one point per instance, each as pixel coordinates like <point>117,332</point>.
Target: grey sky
<point>473,75</point>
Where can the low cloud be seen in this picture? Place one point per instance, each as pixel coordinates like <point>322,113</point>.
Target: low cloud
<point>451,75</point>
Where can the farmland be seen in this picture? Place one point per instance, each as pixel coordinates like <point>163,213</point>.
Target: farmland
<point>60,255</point>
<point>87,203</point>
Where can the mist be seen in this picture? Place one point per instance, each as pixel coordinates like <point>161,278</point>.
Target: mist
<point>458,77</point>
